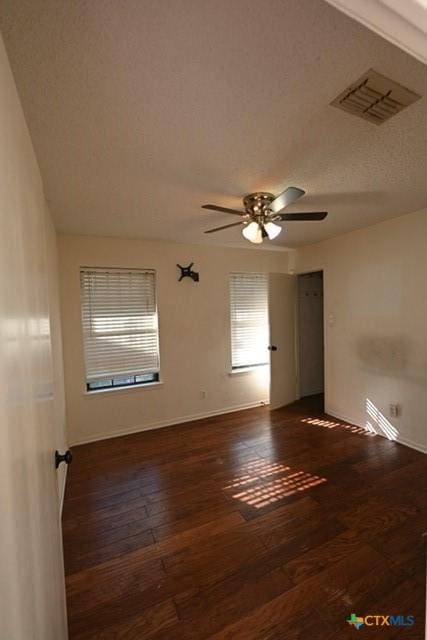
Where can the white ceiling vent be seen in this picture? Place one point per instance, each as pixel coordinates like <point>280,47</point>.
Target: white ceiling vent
<point>375,98</point>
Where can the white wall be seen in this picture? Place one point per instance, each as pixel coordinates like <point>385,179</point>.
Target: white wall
<point>376,340</point>
<point>32,599</point>
<point>194,336</point>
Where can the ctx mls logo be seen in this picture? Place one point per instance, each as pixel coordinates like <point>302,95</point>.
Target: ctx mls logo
<point>355,621</point>
<point>380,621</point>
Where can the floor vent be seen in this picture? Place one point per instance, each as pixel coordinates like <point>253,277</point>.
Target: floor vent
<point>375,98</point>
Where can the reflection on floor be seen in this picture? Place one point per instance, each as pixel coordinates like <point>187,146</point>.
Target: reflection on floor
<point>252,525</point>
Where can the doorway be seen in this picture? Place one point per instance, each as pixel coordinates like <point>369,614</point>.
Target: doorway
<point>310,319</point>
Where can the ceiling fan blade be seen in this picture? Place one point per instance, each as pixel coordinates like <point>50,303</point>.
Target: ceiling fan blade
<point>226,226</point>
<point>289,195</point>
<point>213,207</point>
<point>318,215</point>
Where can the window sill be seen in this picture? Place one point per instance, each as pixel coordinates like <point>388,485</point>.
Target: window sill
<point>124,389</point>
<point>235,372</point>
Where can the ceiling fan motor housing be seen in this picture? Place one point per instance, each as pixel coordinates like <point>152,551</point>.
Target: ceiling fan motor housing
<point>258,207</point>
<point>258,202</point>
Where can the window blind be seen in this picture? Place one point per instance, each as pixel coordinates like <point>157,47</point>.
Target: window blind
<point>249,319</point>
<point>120,327</point>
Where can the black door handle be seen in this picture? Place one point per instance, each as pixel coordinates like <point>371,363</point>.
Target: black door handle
<point>66,457</point>
<point>272,348</point>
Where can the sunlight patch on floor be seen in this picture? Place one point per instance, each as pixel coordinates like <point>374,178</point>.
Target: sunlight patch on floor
<point>256,470</point>
<point>330,424</point>
<point>257,488</point>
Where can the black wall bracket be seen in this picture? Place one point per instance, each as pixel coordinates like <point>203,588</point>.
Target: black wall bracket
<point>186,272</point>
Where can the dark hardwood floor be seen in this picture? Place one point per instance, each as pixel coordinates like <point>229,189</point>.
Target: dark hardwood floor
<point>254,525</point>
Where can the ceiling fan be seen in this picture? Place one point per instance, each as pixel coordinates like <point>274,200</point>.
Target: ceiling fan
<point>262,211</point>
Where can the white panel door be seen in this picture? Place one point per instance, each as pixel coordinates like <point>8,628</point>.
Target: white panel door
<point>32,594</point>
<point>281,303</point>
<point>31,566</point>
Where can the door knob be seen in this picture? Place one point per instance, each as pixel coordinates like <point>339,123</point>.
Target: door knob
<point>272,348</point>
<point>66,457</point>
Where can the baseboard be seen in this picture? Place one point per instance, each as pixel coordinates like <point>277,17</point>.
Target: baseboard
<point>413,445</point>
<point>170,422</point>
<point>400,439</point>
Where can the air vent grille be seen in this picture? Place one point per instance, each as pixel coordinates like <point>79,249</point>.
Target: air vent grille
<point>375,98</point>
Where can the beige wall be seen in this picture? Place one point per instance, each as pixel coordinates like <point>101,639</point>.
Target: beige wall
<point>32,602</point>
<point>194,336</point>
<point>376,324</point>
<point>375,341</point>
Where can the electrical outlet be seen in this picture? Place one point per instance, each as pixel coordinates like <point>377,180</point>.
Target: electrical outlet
<point>394,410</point>
<point>203,395</point>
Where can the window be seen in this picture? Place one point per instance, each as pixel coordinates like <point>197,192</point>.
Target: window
<point>120,329</point>
<point>249,320</point>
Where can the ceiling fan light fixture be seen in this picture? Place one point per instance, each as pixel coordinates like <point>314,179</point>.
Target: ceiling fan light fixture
<point>252,232</point>
<point>272,229</point>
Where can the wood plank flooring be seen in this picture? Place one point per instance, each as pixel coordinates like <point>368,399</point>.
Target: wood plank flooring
<point>254,525</point>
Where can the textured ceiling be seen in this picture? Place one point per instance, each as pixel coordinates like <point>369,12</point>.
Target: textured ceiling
<point>140,111</point>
